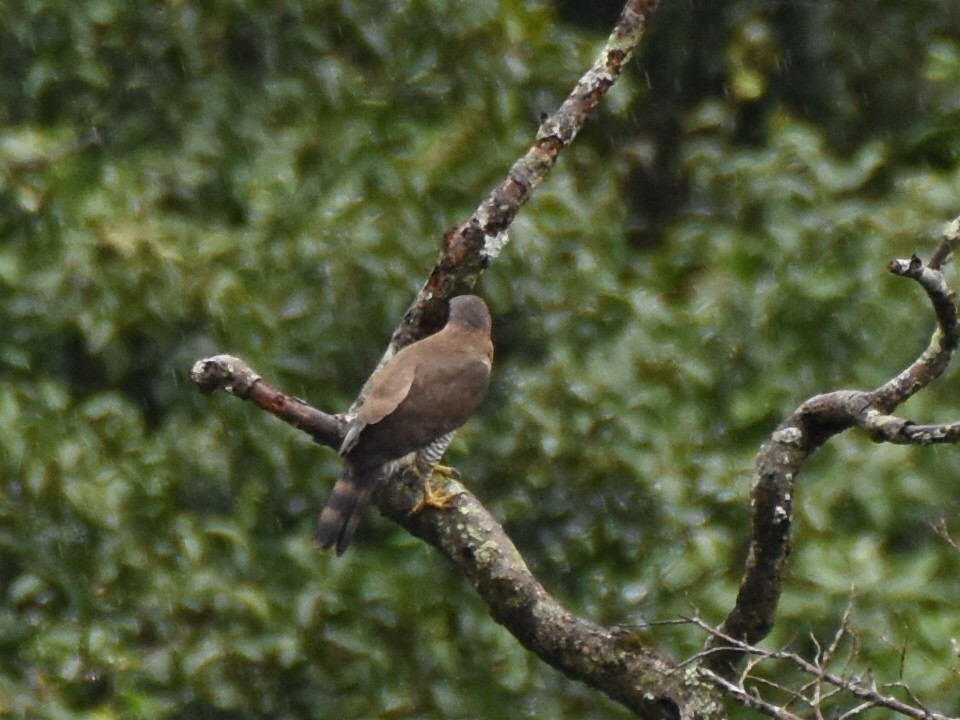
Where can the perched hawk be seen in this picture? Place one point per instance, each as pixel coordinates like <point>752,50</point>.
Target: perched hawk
<point>415,402</point>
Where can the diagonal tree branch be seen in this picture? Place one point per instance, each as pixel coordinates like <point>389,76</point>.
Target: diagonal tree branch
<point>610,659</point>
<point>470,247</point>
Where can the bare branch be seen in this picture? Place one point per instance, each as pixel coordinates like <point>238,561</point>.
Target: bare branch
<point>935,359</point>
<point>951,238</point>
<point>749,700</point>
<point>842,631</point>
<point>868,693</point>
<point>611,659</point>
<point>232,375</point>
<point>944,534</point>
<point>817,420</point>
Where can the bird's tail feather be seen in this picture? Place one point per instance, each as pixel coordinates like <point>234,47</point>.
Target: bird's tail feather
<point>341,515</point>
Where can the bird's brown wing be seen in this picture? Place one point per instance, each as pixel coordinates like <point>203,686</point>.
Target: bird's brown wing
<point>441,398</point>
<point>390,386</point>
<point>449,393</point>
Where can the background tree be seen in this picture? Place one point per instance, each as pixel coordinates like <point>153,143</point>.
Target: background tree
<point>709,253</point>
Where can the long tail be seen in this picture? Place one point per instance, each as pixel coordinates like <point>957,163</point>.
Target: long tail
<point>341,515</point>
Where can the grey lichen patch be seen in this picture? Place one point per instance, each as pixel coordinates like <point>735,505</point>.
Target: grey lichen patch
<point>927,435</point>
<point>220,372</point>
<point>549,128</point>
<point>951,230</point>
<point>704,694</point>
<point>486,552</point>
<point>547,612</point>
<point>788,436</point>
<point>603,77</point>
<point>494,244</point>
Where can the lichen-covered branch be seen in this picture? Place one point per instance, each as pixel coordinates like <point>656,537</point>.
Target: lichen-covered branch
<point>609,659</point>
<point>782,456</point>
<point>470,247</point>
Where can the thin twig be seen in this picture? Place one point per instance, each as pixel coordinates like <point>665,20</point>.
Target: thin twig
<point>861,691</point>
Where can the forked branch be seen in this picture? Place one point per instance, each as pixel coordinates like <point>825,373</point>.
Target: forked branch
<point>782,456</point>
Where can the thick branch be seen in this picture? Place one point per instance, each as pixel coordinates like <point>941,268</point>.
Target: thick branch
<point>607,658</point>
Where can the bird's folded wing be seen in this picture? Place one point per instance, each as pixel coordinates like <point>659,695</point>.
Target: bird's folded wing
<point>390,388</point>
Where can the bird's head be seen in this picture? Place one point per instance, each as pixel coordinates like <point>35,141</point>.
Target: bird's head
<point>470,311</point>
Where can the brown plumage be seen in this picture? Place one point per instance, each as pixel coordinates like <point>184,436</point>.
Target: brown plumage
<point>425,391</point>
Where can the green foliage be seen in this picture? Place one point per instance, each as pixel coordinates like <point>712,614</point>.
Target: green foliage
<point>273,180</point>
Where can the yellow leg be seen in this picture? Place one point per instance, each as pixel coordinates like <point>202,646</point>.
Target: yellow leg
<point>431,496</point>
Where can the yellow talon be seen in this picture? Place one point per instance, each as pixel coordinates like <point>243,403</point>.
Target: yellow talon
<point>433,497</point>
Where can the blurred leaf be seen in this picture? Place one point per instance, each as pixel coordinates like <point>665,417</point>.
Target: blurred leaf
<point>274,180</point>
